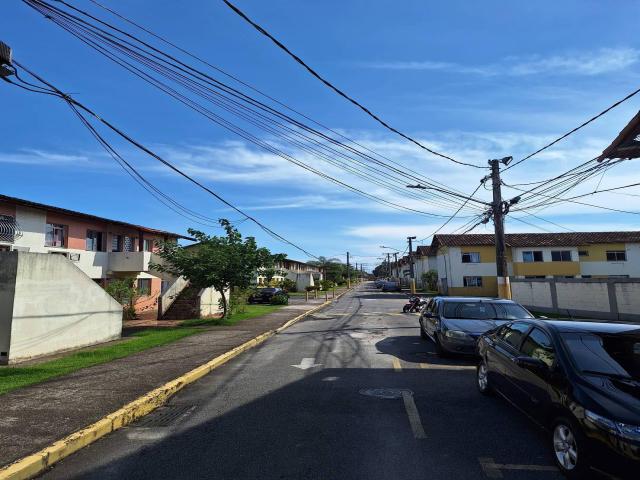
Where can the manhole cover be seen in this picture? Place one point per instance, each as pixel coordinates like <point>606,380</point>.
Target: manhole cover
<point>386,393</point>
<point>165,416</point>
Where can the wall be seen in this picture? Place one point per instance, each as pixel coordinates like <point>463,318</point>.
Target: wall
<point>56,307</point>
<point>210,302</point>
<point>608,299</point>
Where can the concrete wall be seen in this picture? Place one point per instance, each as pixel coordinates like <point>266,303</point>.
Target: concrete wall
<point>609,299</point>
<point>55,306</point>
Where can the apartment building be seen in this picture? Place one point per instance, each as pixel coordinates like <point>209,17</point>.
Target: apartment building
<point>304,274</point>
<point>466,263</point>
<point>103,249</point>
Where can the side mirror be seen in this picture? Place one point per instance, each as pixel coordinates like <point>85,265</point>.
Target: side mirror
<point>530,363</point>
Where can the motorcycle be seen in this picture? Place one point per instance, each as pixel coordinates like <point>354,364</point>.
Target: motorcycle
<point>414,305</point>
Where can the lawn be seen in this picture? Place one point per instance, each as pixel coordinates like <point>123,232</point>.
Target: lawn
<point>13,377</point>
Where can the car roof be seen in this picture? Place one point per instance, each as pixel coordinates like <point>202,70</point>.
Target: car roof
<point>578,326</point>
<point>475,299</point>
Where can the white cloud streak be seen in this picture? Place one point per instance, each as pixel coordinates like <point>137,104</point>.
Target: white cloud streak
<point>604,60</point>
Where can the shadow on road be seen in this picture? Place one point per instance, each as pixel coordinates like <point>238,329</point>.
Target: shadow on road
<point>414,349</point>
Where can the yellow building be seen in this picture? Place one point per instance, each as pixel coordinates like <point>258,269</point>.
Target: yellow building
<point>466,263</point>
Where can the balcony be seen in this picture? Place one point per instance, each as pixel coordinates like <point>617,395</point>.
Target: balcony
<point>130,261</point>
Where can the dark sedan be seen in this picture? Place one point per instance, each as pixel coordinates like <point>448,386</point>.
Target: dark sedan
<point>455,323</point>
<point>579,380</point>
<point>264,295</point>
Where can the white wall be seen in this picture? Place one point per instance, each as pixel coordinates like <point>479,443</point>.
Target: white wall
<point>458,270</point>
<point>32,223</point>
<point>536,294</point>
<point>583,296</point>
<point>57,307</point>
<point>628,297</point>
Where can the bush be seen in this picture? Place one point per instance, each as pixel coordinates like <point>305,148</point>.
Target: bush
<point>311,288</point>
<point>288,285</point>
<point>327,284</point>
<point>125,293</point>
<point>280,299</point>
<point>430,280</point>
<point>238,300</point>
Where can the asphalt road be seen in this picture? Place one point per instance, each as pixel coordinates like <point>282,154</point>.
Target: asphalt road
<point>352,392</point>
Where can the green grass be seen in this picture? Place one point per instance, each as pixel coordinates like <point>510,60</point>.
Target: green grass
<point>13,377</point>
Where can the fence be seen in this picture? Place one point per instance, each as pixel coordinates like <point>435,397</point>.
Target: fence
<point>607,299</point>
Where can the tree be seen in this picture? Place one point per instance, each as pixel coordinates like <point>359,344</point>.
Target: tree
<point>218,262</point>
<point>430,279</point>
<point>124,291</point>
<point>382,270</point>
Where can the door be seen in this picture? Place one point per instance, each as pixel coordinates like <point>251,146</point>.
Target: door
<point>433,320</point>
<point>505,350</point>
<point>533,383</point>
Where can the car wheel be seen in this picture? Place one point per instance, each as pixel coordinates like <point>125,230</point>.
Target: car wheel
<point>482,375</point>
<point>568,447</point>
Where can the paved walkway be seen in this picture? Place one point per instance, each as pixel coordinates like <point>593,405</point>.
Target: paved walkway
<point>34,417</point>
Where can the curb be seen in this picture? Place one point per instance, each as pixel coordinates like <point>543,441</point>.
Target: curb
<point>34,464</point>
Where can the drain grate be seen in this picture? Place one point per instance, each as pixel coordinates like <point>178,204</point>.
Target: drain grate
<point>386,393</point>
<point>166,416</point>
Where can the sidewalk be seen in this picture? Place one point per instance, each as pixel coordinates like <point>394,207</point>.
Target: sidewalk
<point>33,417</point>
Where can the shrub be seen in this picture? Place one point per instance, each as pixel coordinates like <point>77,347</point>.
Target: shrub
<point>430,279</point>
<point>288,285</point>
<point>311,288</point>
<point>327,284</point>
<point>238,300</point>
<point>279,299</point>
<point>125,293</point>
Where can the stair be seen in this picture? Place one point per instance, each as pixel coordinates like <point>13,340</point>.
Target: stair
<point>185,306</point>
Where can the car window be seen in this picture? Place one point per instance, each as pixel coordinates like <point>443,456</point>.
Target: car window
<point>511,311</point>
<point>469,310</point>
<point>538,345</point>
<point>605,353</point>
<point>513,333</point>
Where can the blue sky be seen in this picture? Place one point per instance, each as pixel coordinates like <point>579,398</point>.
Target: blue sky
<point>476,80</point>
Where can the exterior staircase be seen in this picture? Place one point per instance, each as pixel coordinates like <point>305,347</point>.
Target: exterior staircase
<point>186,305</point>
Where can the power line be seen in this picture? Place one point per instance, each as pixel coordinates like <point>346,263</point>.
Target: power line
<point>138,145</point>
<point>337,90</point>
<point>573,130</point>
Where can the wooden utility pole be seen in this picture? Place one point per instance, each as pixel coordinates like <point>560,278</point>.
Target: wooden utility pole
<point>498,209</point>
<point>348,273</point>
<point>388,265</point>
<point>413,280</point>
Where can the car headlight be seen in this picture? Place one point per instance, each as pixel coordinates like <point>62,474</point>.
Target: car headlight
<point>625,430</point>
<point>457,334</point>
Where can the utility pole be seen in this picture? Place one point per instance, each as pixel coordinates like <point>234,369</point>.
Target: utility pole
<point>388,265</point>
<point>5,60</point>
<point>348,273</point>
<point>499,209</point>
<point>395,263</point>
<point>413,280</point>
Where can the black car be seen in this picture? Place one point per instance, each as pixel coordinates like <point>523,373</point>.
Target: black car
<point>264,295</point>
<point>455,323</point>
<point>579,380</point>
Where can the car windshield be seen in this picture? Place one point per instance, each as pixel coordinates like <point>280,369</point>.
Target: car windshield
<point>616,355</point>
<point>484,311</point>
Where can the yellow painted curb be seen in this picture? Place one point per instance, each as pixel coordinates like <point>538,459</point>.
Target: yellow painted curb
<point>32,465</point>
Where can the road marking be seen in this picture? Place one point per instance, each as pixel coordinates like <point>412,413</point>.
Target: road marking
<point>396,364</point>
<point>414,415</point>
<point>307,363</point>
<point>437,366</point>
<point>494,470</point>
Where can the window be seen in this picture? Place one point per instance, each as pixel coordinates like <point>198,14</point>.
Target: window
<point>512,334</point>
<point>472,281</point>
<point>561,256</point>
<point>532,256</point>
<point>148,245</point>
<point>5,248</point>
<point>616,256</point>
<point>94,241</point>
<point>144,286</point>
<point>129,244</point>
<point>471,257</point>
<point>583,253</point>
<point>116,243</point>
<point>586,276</point>
<point>529,277</point>
<point>55,235</point>
<point>7,228</point>
<point>538,345</point>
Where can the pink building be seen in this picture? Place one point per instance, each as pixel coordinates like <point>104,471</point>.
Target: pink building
<point>103,249</point>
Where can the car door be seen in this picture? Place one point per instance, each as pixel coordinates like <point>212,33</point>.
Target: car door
<point>423,314</point>
<point>505,350</point>
<point>533,383</point>
<point>430,318</point>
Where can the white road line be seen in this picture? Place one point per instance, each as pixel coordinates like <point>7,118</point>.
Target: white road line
<point>494,470</point>
<point>414,415</point>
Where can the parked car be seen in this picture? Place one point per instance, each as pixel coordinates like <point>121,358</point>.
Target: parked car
<point>264,295</point>
<point>455,323</point>
<point>390,286</point>
<point>379,283</point>
<point>580,380</point>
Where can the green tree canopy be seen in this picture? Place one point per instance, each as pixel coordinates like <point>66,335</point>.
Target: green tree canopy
<point>219,262</point>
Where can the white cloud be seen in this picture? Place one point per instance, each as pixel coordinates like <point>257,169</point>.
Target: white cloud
<point>596,62</point>
<point>41,157</point>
